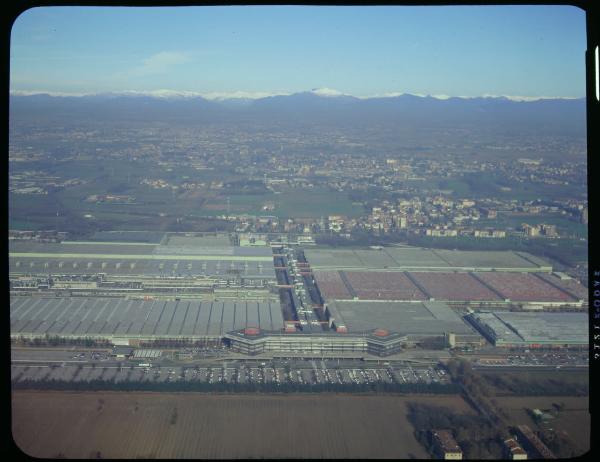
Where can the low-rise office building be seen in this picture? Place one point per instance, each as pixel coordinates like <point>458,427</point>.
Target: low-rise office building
<point>253,341</point>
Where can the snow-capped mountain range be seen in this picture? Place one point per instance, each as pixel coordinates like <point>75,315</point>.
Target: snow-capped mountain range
<point>223,96</point>
<point>323,106</point>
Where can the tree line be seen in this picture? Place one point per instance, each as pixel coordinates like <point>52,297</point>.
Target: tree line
<point>510,384</point>
<point>55,340</point>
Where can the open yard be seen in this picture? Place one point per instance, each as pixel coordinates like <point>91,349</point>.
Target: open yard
<point>193,425</point>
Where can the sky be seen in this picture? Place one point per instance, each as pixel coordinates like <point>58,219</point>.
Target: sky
<point>253,51</point>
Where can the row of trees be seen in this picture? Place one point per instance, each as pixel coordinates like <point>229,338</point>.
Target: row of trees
<point>507,383</point>
<point>560,443</point>
<point>55,340</point>
<point>180,385</point>
<point>477,391</point>
<point>180,343</point>
<point>361,238</point>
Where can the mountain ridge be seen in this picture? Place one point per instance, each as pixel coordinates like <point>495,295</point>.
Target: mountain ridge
<point>561,116</point>
<point>320,92</point>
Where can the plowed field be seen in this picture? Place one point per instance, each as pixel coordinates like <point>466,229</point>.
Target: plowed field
<point>170,425</point>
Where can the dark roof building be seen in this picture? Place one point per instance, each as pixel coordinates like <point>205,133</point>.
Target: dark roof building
<point>533,443</point>
<point>445,445</point>
<point>122,351</point>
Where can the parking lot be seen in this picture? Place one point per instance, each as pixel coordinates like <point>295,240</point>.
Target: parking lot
<point>528,359</point>
<point>305,373</point>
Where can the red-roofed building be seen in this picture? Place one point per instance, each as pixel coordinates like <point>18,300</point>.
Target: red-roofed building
<point>514,451</point>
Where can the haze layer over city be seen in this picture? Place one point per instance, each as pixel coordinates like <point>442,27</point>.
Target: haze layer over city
<point>232,228</point>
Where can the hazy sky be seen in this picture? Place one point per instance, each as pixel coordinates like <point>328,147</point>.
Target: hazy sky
<point>362,51</point>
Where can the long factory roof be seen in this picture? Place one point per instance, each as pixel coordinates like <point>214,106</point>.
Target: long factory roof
<point>416,258</point>
<point>140,259</point>
<point>538,327</point>
<point>82,316</point>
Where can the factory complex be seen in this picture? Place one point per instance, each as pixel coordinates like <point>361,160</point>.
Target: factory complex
<point>194,288</point>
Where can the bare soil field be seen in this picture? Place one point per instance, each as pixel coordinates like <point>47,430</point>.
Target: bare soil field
<point>574,419</point>
<point>193,425</point>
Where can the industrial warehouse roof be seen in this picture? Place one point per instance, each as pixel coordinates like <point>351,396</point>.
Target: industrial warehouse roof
<point>213,241</point>
<point>476,286</point>
<point>415,258</point>
<point>72,247</point>
<point>140,259</point>
<point>500,331</point>
<point>79,316</point>
<point>406,318</point>
<point>540,328</point>
<point>134,266</point>
<point>69,249</point>
<point>128,236</point>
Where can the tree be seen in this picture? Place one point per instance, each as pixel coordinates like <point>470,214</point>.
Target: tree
<point>559,406</point>
<point>452,367</point>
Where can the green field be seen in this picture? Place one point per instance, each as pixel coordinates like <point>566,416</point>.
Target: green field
<point>564,225</point>
<point>306,203</point>
<point>158,209</point>
<point>487,185</point>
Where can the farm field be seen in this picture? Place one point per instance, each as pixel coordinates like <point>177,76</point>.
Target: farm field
<point>490,185</point>
<point>150,203</point>
<point>193,425</point>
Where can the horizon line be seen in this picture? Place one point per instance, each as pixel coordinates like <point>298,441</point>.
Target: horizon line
<point>223,96</point>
